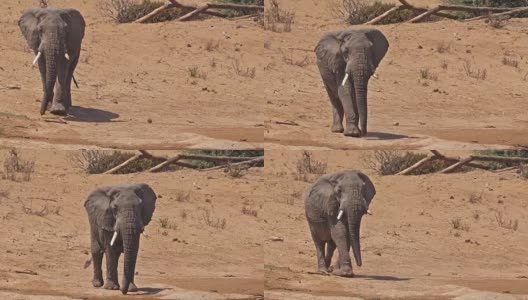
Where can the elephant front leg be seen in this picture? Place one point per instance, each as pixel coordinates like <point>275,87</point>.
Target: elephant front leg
<point>337,109</point>
<point>112,259</point>
<point>351,117</point>
<point>61,91</point>
<point>344,263</point>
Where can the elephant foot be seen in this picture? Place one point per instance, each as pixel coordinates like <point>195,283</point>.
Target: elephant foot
<point>110,285</point>
<point>132,288</point>
<point>97,282</point>
<point>343,272</point>
<point>352,131</point>
<point>337,128</point>
<point>58,109</point>
<point>323,271</point>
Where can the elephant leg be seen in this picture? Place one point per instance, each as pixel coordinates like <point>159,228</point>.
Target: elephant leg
<point>46,97</point>
<point>337,107</point>
<point>61,92</point>
<point>67,96</point>
<point>320,250</point>
<point>341,240</point>
<point>330,248</point>
<point>112,259</point>
<point>97,259</point>
<point>346,93</point>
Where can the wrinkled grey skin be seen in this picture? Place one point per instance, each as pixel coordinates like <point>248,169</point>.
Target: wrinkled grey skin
<point>125,209</point>
<point>350,191</point>
<point>54,32</point>
<point>357,52</point>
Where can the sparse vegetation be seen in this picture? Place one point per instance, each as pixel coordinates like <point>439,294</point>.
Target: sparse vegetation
<point>267,45</point>
<point>505,153</point>
<point>200,164</point>
<point>444,65</point>
<point>126,11</point>
<point>98,162</point>
<point>289,60</point>
<point>277,19</point>
<point>236,13</point>
<point>243,71</point>
<point>43,211</point>
<point>212,221</point>
<point>428,74</point>
<point>182,196</point>
<point>16,168</point>
<point>165,223</point>
<point>496,22</point>
<point>474,72</point>
<point>507,224</point>
<point>249,212</point>
<point>195,72</point>
<point>308,165</point>
<point>443,47</point>
<point>212,45</point>
<point>356,12</point>
<point>235,171</point>
<point>458,224</point>
<point>523,170</point>
<point>475,198</point>
<point>43,3</point>
<point>390,162</point>
<point>510,61</point>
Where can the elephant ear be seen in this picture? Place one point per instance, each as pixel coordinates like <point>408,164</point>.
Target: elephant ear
<point>148,201</point>
<point>380,45</point>
<point>98,208</point>
<point>28,24</point>
<point>321,201</point>
<point>368,191</point>
<point>328,51</point>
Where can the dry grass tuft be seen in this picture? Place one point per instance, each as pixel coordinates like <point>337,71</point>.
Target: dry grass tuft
<point>16,168</point>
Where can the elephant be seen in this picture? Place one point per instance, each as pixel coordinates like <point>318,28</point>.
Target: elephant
<point>334,206</point>
<point>55,36</point>
<point>346,60</point>
<point>118,215</point>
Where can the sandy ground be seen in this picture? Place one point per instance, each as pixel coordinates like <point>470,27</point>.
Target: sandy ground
<point>187,260</point>
<point>410,249</point>
<point>129,74</point>
<point>405,111</point>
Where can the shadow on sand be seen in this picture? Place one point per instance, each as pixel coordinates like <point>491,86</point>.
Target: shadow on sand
<point>150,291</point>
<point>385,136</point>
<point>85,114</point>
<point>382,278</point>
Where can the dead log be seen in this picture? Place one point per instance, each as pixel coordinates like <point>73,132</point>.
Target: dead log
<point>454,160</point>
<point>377,19</point>
<point>417,165</point>
<point>456,165</point>
<point>193,13</point>
<point>510,13</point>
<point>248,163</point>
<point>499,158</point>
<point>154,13</point>
<point>165,163</point>
<point>124,164</point>
<point>425,15</point>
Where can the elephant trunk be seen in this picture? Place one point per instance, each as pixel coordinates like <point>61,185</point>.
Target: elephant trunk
<point>354,224</point>
<point>51,58</point>
<point>130,235</point>
<point>361,73</point>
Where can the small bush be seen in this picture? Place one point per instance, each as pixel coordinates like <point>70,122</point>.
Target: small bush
<point>428,74</point>
<point>244,71</point>
<point>474,72</point>
<point>443,47</point>
<point>503,153</point>
<point>182,196</point>
<point>507,224</point>
<point>277,19</point>
<point>195,72</point>
<point>249,212</point>
<point>355,12</point>
<point>200,164</point>
<point>165,223</point>
<point>16,168</point>
<point>98,162</point>
<point>459,225</point>
<point>212,45</point>
<point>43,3</point>
<point>42,212</point>
<point>243,12</point>
<point>475,198</point>
<point>510,61</point>
<point>126,11</point>
<point>212,221</point>
<point>390,162</point>
<point>523,170</point>
<point>296,62</point>
<point>308,165</point>
<point>235,171</point>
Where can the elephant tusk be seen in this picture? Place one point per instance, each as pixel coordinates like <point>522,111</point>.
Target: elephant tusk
<point>345,79</point>
<point>145,235</point>
<point>375,75</point>
<point>37,57</point>
<point>113,238</point>
<point>339,214</point>
<point>66,56</point>
<point>369,212</point>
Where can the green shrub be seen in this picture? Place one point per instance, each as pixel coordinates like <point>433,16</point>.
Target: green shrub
<point>360,11</point>
<point>126,11</point>
<point>98,162</point>
<point>489,3</point>
<point>237,13</point>
<point>504,153</point>
<point>200,164</point>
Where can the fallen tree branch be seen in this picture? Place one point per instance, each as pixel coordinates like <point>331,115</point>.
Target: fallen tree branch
<point>510,13</point>
<point>154,13</point>
<point>124,164</point>
<point>456,165</point>
<point>248,163</point>
<point>417,165</point>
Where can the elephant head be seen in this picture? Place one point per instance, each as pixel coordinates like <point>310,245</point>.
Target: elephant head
<point>354,54</point>
<point>124,210</point>
<point>345,197</point>
<point>55,36</point>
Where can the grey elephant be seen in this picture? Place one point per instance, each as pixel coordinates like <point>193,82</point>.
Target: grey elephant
<point>55,36</point>
<point>118,215</point>
<point>346,60</point>
<point>334,206</point>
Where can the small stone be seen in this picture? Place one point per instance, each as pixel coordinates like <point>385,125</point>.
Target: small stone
<point>149,120</point>
<point>396,124</point>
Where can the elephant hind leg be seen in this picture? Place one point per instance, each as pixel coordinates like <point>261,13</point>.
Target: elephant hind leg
<point>330,248</point>
<point>97,257</point>
<point>71,69</point>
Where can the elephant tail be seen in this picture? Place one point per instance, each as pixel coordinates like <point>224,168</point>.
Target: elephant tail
<point>88,262</point>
